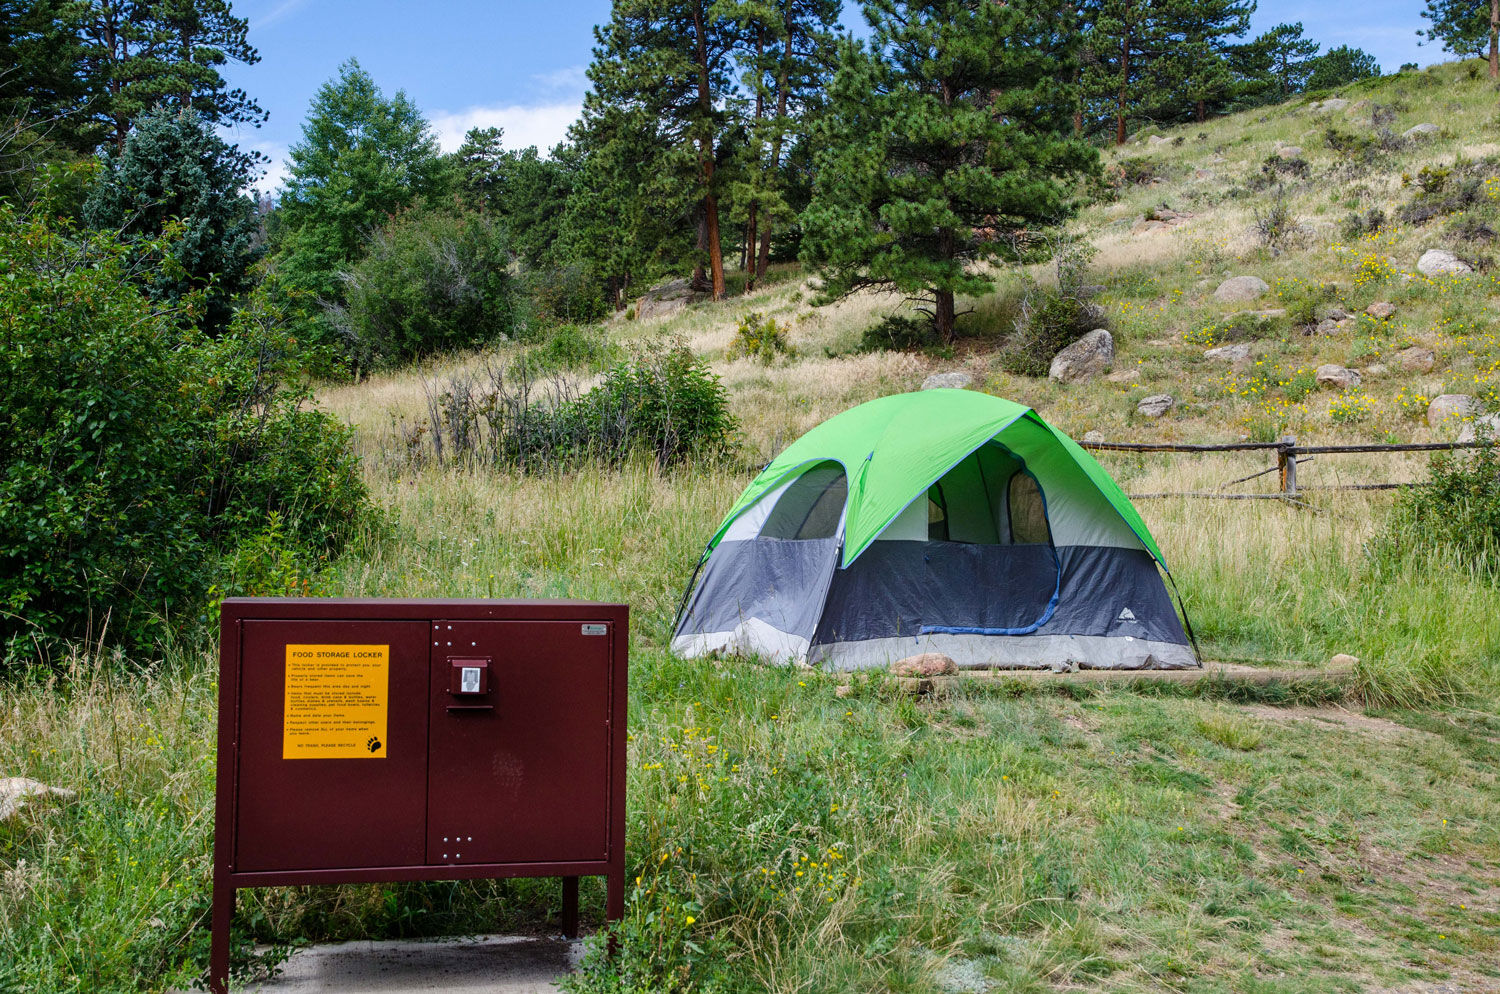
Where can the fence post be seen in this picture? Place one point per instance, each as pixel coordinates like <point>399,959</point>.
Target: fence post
<point>1286,464</point>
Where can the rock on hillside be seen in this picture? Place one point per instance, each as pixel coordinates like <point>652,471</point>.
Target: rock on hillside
<point>1086,358</point>
<point>1440,262</point>
<point>1238,288</point>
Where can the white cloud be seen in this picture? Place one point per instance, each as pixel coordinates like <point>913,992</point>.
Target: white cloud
<point>571,80</point>
<point>278,12</point>
<point>542,125</point>
<point>276,169</point>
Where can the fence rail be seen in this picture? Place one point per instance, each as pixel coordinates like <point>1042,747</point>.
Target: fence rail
<point>1288,456</point>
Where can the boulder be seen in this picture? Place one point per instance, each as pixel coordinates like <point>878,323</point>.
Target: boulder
<point>667,298</point>
<point>1265,313</point>
<point>1382,310</point>
<point>1146,227</point>
<point>1093,435</point>
<point>1488,423</point>
<point>1241,288</point>
<point>1420,130</point>
<point>1289,151</point>
<point>1157,140</point>
<point>1343,661</point>
<point>1416,359</point>
<point>15,792</point>
<point>1440,262</point>
<point>1451,405</point>
<point>1338,377</point>
<point>1228,353</point>
<point>948,381</point>
<point>1375,369</point>
<point>1086,358</point>
<point>1337,314</point>
<point>1130,375</point>
<point>1156,405</point>
<point>924,664</point>
<point>1331,104</point>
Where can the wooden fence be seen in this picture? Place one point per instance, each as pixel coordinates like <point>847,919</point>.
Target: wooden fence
<point>1288,455</point>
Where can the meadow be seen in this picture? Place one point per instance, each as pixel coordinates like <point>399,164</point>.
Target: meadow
<point>1000,836</point>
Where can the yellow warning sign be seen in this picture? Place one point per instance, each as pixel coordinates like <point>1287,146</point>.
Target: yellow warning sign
<point>337,699</point>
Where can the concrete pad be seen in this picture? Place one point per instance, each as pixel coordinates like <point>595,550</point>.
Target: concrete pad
<point>492,964</point>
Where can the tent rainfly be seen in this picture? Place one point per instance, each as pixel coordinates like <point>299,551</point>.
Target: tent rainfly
<point>940,521</point>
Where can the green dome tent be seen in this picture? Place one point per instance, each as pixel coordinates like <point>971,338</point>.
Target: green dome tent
<point>939,521</point>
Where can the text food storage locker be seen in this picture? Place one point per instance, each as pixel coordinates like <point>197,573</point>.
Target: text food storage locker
<point>383,740</point>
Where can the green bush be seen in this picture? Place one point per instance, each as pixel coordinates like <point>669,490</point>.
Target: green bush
<point>898,333</point>
<point>570,294</point>
<point>1454,520</point>
<point>1047,322</point>
<point>133,452</point>
<point>664,403</point>
<point>570,346</point>
<point>761,338</point>
<point>433,281</point>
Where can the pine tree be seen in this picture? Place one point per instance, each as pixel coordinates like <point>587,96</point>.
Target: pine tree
<point>1341,65</point>
<point>1282,59</point>
<point>139,53</point>
<point>1207,26</point>
<point>948,142</point>
<point>1466,27</point>
<point>787,58</point>
<point>668,62</point>
<point>363,158</point>
<point>179,180</point>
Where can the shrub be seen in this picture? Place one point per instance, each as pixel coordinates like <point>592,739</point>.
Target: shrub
<point>759,337</point>
<point>1276,225</point>
<point>569,294</point>
<point>664,402</point>
<point>1453,519</point>
<point>1352,147</point>
<point>570,346</point>
<point>134,452</point>
<point>1048,320</point>
<point>898,333</point>
<point>432,281</point>
<point>1356,225</point>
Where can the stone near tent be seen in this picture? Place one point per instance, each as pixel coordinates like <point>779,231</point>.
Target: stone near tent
<point>667,298</point>
<point>1420,130</point>
<point>16,792</point>
<point>1451,405</point>
<point>1093,435</point>
<point>1156,405</point>
<point>1228,353</point>
<point>948,381</point>
<point>1488,424</point>
<point>1241,288</point>
<point>1289,151</point>
<point>1343,661</point>
<point>1441,262</point>
<point>924,664</point>
<point>1336,376</point>
<point>1086,358</point>
<point>1416,359</point>
<point>1381,310</point>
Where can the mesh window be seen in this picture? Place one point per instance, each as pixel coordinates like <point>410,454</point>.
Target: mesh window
<point>937,515</point>
<point>1028,514</point>
<point>812,506</point>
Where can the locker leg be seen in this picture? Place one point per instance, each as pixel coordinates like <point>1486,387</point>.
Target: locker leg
<point>218,950</point>
<point>570,907</point>
<point>614,902</point>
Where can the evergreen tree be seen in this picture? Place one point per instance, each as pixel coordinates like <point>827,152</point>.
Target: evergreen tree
<point>1282,60</point>
<point>42,84</point>
<point>1341,65</point>
<point>1207,27</point>
<point>1134,65</point>
<point>787,57</point>
<point>667,64</point>
<point>363,157</point>
<point>1466,27</point>
<point>948,142</point>
<point>139,53</point>
<point>179,182</point>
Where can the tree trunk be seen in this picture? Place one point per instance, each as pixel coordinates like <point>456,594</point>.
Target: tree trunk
<point>1202,111</point>
<point>1494,39</point>
<point>764,259</point>
<point>1124,80</point>
<point>943,316</point>
<point>706,156</point>
<point>747,260</point>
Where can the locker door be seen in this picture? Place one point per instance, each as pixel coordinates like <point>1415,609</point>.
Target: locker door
<point>333,744</point>
<point>519,735</point>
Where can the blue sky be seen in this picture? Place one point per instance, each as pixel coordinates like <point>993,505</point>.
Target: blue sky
<point>519,64</point>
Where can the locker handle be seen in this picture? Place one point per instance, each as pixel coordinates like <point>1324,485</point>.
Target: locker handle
<point>470,707</point>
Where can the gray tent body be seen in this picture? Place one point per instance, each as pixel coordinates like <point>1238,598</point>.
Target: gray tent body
<point>1012,559</point>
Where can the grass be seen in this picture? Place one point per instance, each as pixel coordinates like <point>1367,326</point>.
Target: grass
<point>1197,839</point>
